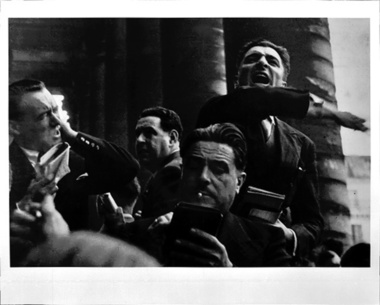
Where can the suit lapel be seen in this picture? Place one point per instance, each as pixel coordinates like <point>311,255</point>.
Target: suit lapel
<point>288,144</point>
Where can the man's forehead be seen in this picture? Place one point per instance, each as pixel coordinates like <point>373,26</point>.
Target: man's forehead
<point>39,99</point>
<point>263,50</point>
<point>149,121</point>
<point>211,151</point>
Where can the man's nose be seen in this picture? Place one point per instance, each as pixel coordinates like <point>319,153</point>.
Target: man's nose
<point>53,119</point>
<point>262,61</point>
<point>205,175</point>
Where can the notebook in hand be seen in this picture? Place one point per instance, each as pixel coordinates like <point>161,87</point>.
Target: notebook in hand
<point>260,204</point>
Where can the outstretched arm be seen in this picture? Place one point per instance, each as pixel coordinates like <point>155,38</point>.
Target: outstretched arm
<point>245,105</point>
<point>318,108</point>
<point>256,103</point>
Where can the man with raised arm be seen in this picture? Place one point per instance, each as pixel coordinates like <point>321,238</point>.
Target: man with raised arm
<point>281,159</point>
<point>79,164</point>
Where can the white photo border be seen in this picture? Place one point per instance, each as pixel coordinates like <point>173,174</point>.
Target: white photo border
<point>195,285</point>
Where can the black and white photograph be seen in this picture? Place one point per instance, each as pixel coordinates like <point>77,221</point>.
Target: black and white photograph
<point>218,154</point>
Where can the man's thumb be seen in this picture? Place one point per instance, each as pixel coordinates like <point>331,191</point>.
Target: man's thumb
<point>48,205</point>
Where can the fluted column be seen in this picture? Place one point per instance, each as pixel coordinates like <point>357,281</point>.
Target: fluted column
<point>90,80</point>
<point>144,76</point>
<point>116,106</point>
<point>193,65</point>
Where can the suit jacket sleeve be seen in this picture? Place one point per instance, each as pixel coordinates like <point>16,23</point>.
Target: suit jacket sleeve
<point>109,167</point>
<point>161,193</point>
<point>243,106</point>
<point>307,221</point>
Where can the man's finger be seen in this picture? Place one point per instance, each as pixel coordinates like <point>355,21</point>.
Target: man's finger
<point>22,217</point>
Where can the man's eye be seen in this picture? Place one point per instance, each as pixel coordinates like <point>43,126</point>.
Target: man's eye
<point>219,169</point>
<point>250,59</point>
<point>42,116</point>
<point>273,62</point>
<point>148,133</point>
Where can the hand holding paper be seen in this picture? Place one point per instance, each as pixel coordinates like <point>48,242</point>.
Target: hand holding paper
<point>54,163</point>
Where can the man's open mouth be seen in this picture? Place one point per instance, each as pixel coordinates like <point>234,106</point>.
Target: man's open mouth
<point>57,132</point>
<point>260,78</point>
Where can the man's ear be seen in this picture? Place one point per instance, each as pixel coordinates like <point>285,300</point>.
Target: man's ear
<point>174,136</point>
<point>240,181</point>
<point>14,128</point>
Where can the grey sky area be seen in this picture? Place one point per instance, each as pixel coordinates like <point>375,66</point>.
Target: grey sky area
<point>350,42</point>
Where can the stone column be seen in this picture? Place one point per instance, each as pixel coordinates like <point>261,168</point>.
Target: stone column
<point>144,76</point>
<point>116,106</point>
<point>193,65</point>
<point>90,80</point>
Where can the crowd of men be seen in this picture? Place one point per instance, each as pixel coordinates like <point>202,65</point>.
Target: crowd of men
<point>187,215</point>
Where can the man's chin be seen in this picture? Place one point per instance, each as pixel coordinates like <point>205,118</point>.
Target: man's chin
<point>204,200</point>
<point>144,160</point>
<point>146,163</point>
<point>251,85</point>
<point>56,140</point>
<point>262,85</point>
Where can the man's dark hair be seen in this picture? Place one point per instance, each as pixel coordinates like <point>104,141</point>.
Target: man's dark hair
<point>17,90</point>
<point>224,133</point>
<point>283,52</point>
<point>128,195</point>
<point>358,255</point>
<point>169,119</point>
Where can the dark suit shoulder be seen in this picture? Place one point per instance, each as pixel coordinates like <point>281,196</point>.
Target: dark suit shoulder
<point>76,162</point>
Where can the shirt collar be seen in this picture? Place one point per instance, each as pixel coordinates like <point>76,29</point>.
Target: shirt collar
<point>32,155</point>
<point>271,119</point>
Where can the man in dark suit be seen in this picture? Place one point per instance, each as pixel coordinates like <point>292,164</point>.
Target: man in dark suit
<point>280,158</point>
<point>214,160</point>
<point>158,133</point>
<point>96,166</point>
